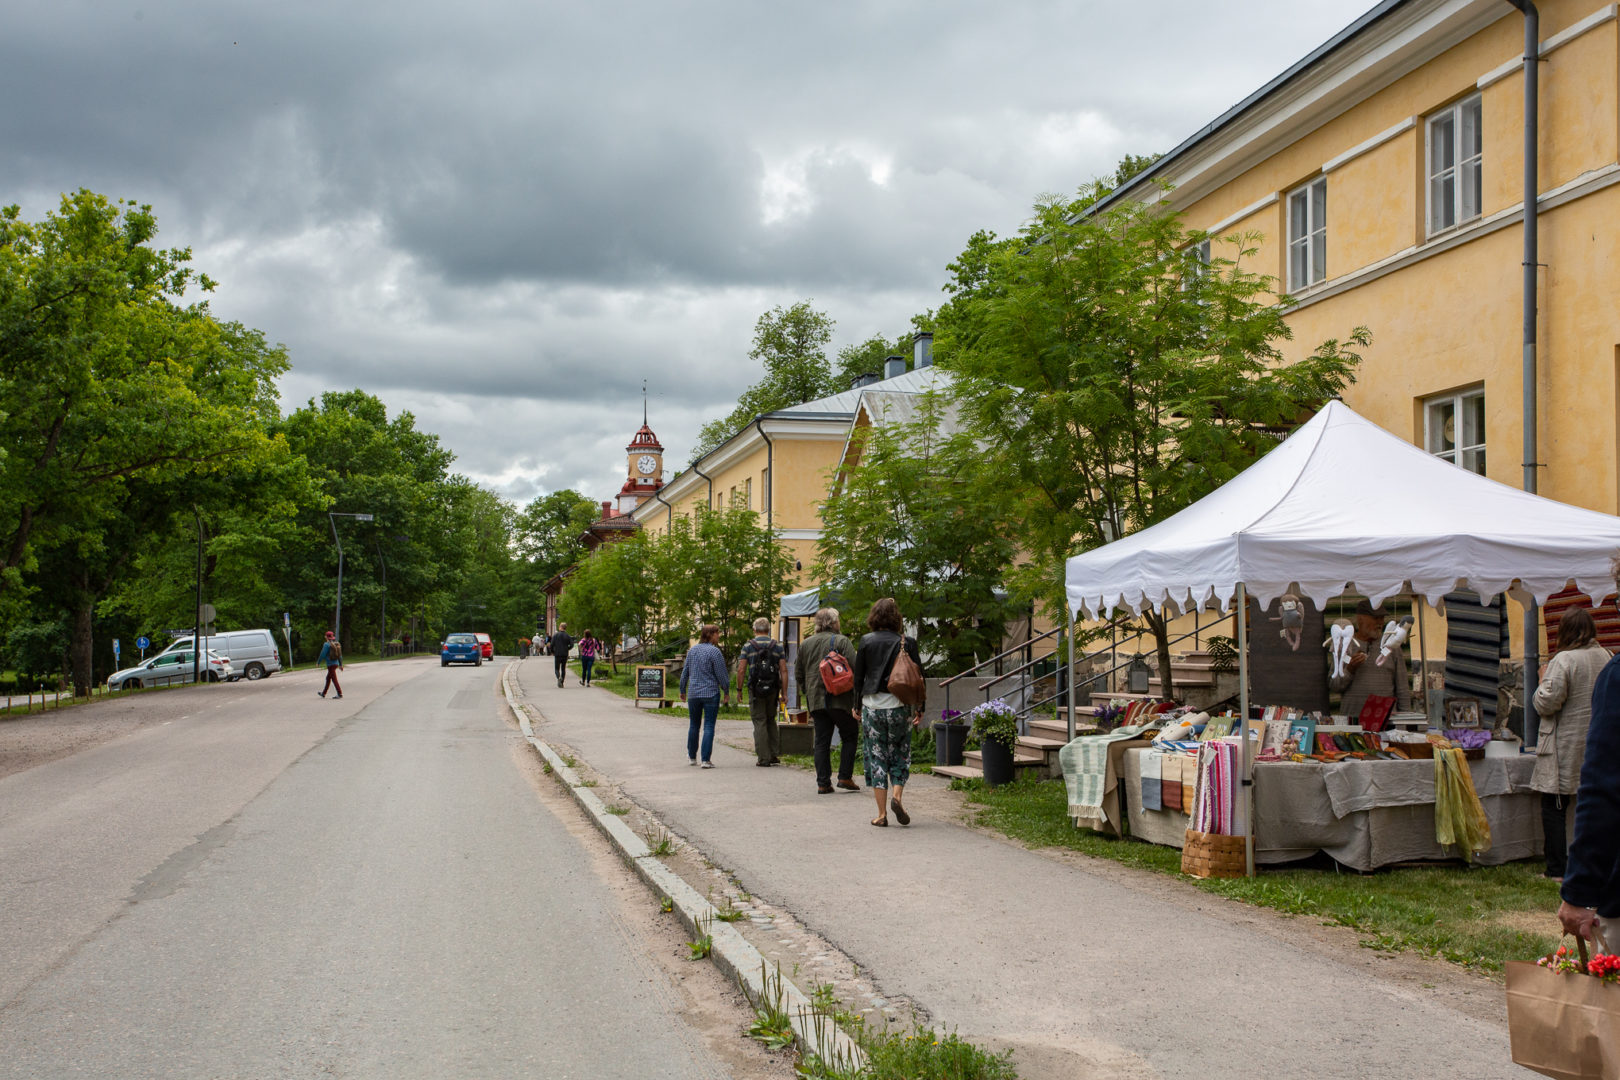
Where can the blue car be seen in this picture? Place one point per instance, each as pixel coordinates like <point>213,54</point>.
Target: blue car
<point>461,649</point>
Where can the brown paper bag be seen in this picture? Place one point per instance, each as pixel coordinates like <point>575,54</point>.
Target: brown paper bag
<point>1565,1026</point>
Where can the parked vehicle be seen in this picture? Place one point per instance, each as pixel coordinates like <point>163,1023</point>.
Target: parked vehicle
<point>252,653</point>
<point>461,649</point>
<point>170,668</point>
<point>487,645</point>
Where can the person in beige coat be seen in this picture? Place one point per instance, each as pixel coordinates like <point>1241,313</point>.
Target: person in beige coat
<point>1563,700</point>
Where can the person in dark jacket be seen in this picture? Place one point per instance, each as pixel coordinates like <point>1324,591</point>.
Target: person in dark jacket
<point>886,722</point>
<point>332,656</point>
<point>1591,889</point>
<point>561,642</point>
<point>829,712</point>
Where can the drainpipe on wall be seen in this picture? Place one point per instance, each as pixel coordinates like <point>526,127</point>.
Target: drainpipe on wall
<point>770,467</point>
<point>669,522</point>
<point>710,481</point>
<point>1532,58</point>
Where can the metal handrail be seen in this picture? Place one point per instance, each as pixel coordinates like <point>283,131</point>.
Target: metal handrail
<point>1000,656</point>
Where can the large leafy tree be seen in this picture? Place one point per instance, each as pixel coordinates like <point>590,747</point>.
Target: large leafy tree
<point>114,394</point>
<point>917,519</point>
<point>614,591</point>
<point>724,567</point>
<point>791,344</point>
<point>1112,378</point>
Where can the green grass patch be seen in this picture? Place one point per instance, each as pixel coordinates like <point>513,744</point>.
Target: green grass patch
<point>1480,917</point>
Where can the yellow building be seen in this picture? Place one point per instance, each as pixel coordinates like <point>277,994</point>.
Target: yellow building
<point>1384,174</point>
<point>780,465</point>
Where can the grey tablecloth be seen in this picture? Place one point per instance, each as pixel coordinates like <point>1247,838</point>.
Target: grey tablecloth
<point>1365,814</point>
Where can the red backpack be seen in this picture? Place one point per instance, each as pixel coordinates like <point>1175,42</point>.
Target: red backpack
<point>836,674</point>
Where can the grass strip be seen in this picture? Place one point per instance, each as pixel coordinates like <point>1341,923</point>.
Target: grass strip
<point>1478,916</point>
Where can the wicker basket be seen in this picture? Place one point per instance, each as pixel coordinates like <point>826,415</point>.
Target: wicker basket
<point>1211,855</point>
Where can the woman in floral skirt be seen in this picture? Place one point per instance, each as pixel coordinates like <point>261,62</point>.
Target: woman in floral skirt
<point>886,722</point>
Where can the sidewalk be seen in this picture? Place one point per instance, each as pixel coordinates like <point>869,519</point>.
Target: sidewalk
<point>1083,968</point>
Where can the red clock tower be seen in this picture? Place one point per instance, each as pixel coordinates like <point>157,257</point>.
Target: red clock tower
<point>646,471</point>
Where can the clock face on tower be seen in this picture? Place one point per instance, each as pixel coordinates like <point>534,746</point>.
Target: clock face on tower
<point>646,464</point>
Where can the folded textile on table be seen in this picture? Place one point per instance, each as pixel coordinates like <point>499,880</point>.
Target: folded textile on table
<point>1152,780</point>
<point>1214,801</point>
<point>1086,775</point>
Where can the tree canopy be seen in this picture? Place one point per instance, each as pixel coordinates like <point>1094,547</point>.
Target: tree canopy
<point>791,344</point>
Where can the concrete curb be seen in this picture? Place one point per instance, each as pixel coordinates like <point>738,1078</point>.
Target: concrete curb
<point>731,951</point>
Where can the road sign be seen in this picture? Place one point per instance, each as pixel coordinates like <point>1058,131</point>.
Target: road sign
<point>115,650</point>
<point>143,642</point>
<point>286,618</point>
<point>208,613</point>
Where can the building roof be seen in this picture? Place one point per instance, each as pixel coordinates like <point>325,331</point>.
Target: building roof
<point>846,402</point>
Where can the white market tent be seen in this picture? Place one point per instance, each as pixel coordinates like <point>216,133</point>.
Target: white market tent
<point>1340,504</point>
<point>1344,502</point>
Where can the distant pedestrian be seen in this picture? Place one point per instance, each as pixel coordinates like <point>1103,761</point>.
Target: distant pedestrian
<point>523,648</point>
<point>590,647</point>
<point>560,644</point>
<point>1563,700</point>
<point>763,668</point>
<point>705,684</point>
<point>829,711</point>
<point>886,721</point>
<point>332,656</point>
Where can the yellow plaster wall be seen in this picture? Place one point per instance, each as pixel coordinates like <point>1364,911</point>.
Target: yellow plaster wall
<point>1374,205</point>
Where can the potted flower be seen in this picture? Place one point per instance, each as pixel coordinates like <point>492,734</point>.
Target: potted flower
<point>996,724</point>
<point>950,737</point>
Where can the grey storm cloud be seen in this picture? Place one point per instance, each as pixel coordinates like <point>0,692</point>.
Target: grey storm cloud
<point>505,216</point>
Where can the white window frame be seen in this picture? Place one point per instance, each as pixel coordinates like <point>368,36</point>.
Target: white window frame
<point>1461,176</point>
<point>1467,455</point>
<point>1307,235</point>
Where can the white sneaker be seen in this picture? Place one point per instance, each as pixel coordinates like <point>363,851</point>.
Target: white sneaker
<point>708,764</point>
<point>691,761</point>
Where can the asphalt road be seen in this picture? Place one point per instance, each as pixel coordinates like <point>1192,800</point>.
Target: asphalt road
<point>266,884</point>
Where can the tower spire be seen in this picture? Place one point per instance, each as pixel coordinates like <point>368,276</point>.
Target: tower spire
<point>643,402</point>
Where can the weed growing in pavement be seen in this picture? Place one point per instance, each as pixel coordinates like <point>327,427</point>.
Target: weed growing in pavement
<point>704,945</point>
<point>893,1056</point>
<point>587,783</point>
<point>772,1025</point>
<point>569,761</point>
<point>618,811</point>
<point>548,769</point>
<point>666,905</point>
<point>729,912</point>
<point>1473,916</point>
<point>658,841</point>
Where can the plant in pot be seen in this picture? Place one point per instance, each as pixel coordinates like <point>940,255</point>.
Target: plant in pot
<point>996,724</point>
<point>950,737</point>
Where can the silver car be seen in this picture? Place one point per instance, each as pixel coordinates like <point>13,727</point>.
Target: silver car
<point>169,669</point>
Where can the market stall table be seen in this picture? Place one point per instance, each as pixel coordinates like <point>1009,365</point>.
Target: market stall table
<point>1365,814</point>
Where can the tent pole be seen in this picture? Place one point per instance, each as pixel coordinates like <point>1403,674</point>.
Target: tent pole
<point>1243,729</point>
<point>1071,699</point>
<point>1421,602</point>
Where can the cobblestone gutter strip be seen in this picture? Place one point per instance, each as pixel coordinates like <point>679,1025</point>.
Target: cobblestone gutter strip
<point>731,951</point>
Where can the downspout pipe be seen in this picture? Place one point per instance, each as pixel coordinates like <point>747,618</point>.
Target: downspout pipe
<point>770,467</point>
<point>669,522</point>
<point>707,478</point>
<point>1532,96</point>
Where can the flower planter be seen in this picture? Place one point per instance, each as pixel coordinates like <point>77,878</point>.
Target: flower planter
<point>998,762</point>
<point>949,742</point>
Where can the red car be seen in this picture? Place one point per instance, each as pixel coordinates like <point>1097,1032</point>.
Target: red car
<point>486,646</point>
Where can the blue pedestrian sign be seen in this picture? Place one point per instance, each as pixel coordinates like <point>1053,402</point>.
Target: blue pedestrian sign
<point>115,650</point>
<point>143,642</point>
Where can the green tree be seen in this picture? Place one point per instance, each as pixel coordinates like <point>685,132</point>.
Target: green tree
<point>724,567</point>
<point>918,519</point>
<point>791,343</point>
<point>867,358</point>
<point>1112,379</point>
<point>614,592</point>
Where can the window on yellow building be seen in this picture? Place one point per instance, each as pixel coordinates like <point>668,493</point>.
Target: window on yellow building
<point>1307,234</point>
<point>1456,153</point>
<point>748,492</point>
<point>1455,428</point>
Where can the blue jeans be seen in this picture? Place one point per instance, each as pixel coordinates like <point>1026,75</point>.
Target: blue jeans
<point>708,709</point>
<point>585,663</point>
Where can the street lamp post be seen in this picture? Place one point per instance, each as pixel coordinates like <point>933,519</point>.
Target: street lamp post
<point>383,565</point>
<point>337,614</point>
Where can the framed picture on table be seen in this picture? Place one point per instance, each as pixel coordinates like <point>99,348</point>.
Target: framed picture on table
<point>1302,733</point>
<point>1462,712</point>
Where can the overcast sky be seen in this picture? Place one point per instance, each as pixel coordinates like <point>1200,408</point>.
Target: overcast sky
<point>504,216</point>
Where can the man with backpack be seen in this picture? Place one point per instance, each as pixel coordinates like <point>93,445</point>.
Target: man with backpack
<point>560,644</point>
<point>763,669</point>
<point>826,670</point>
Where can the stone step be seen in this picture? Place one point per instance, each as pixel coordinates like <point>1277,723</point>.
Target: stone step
<point>1202,677</point>
<point>1022,759</point>
<point>1058,730</point>
<point>959,772</point>
<point>1041,744</point>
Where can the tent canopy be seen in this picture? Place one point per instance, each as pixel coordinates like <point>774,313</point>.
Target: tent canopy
<point>1342,502</point>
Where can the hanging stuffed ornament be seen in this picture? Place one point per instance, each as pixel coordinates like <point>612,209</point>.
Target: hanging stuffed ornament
<point>1340,641</point>
<point>1396,631</point>
<point>1291,610</point>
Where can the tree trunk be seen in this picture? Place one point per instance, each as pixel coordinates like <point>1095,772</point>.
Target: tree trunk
<point>1160,625</point>
<point>81,648</point>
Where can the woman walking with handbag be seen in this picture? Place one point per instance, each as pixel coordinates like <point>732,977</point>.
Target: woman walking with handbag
<point>888,677</point>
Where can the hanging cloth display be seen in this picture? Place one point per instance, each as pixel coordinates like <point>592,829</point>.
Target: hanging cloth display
<point>1458,816</point>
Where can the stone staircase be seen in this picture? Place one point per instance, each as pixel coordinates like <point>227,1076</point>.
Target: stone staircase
<point>1196,681</point>
<point>1036,751</point>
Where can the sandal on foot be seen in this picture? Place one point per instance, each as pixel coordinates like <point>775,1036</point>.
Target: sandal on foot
<point>881,822</point>
<point>900,814</point>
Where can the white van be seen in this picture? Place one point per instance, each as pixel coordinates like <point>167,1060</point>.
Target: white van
<point>252,653</point>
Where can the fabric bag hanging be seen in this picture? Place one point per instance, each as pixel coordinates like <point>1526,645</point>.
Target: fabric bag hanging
<point>1563,1025</point>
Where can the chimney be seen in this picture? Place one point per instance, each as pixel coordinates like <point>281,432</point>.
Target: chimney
<point>922,349</point>
<point>865,378</point>
<point>607,510</point>
<point>894,366</point>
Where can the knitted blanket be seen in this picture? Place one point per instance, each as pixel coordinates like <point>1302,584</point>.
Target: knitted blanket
<point>1085,764</point>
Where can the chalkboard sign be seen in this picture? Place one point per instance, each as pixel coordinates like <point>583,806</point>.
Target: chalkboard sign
<point>650,682</point>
